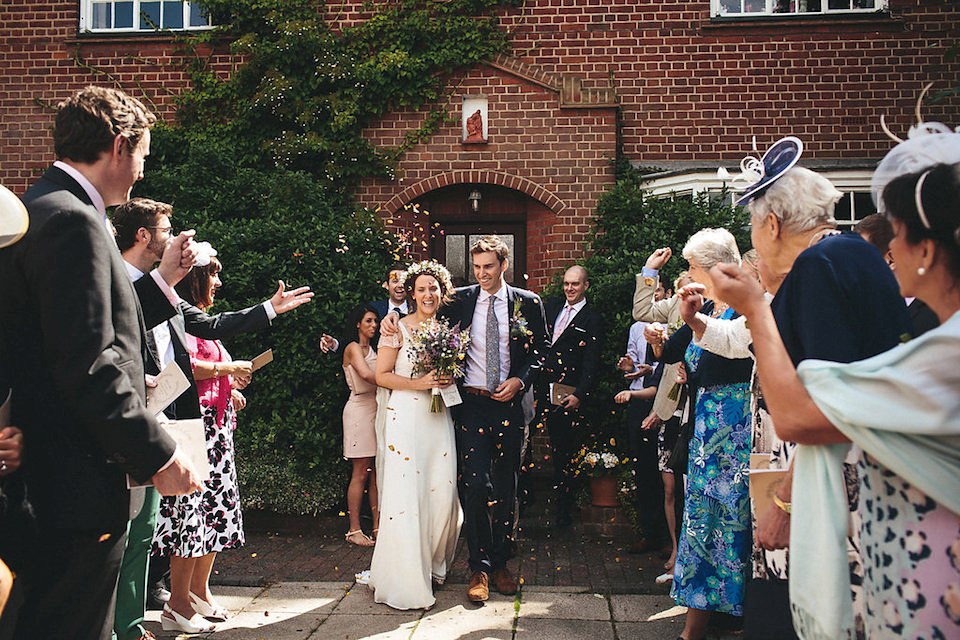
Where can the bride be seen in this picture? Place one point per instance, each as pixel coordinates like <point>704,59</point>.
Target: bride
<point>420,513</point>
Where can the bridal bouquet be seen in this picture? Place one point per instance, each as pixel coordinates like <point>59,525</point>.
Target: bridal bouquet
<point>438,346</point>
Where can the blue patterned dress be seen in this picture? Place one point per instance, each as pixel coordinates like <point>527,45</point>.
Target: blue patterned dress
<point>714,547</point>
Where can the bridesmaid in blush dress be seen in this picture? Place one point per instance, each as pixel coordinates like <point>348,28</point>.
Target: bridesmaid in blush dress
<point>359,416</point>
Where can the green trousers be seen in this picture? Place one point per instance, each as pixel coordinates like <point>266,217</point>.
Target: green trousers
<point>132,584</point>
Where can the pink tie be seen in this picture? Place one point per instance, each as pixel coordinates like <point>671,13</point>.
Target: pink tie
<point>564,319</point>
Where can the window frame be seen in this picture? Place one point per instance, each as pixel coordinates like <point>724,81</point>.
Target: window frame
<point>852,182</point>
<point>87,18</point>
<point>716,10</point>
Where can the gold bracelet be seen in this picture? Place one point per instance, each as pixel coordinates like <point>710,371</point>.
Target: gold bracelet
<point>784,506</point>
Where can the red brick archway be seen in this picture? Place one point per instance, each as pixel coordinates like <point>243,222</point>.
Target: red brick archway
<point>532,189</point>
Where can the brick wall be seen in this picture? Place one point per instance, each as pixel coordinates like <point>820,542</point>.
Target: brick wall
<point>560,157</point>
<point>43,61</point>
<point>691,91</point>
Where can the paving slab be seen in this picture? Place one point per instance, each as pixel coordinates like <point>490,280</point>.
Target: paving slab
<point>300,597</point>
<point>354,627</point>
<point>564,606</point>
<point>359,601</point>
<point>454,617</point>
<point>553,629</point>
<point>665,629</point>
<point>641,608</point>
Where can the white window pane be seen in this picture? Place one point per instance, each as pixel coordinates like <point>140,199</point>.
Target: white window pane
<point>198,16</point>
<point>149,15</point>
<point>455,248</point>
<point>101,15</point>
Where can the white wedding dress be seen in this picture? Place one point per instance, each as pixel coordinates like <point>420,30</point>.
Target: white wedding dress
<point>420,513</point>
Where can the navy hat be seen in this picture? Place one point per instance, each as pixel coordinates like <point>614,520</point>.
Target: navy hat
<point>778,159</point>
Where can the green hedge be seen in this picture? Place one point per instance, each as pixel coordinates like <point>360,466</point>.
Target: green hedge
<point>269,226</point>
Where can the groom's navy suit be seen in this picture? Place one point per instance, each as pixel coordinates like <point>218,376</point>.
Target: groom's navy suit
<point>73,332</point>
<point>490,433</point>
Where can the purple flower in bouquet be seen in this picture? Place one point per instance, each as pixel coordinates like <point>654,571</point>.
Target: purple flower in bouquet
<point>437,346</point>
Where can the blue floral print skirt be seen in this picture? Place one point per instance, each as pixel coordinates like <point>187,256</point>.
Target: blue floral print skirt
<point>713,554</point>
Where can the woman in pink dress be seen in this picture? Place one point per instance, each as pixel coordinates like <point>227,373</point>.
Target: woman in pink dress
<point>359,416</point>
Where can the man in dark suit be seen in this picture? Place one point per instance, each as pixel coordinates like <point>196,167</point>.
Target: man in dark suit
<point>143,230</point>
<point>397,295</point>
<point>508,342</point>
<point>73,327</point>
<point>572,360</point>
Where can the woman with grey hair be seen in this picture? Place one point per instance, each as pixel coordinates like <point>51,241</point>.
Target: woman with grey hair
<point>833,299</point>
<point>901,408</point>
<point>714,541</point>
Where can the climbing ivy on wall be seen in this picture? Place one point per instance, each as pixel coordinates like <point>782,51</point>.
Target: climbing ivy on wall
<point>261,162</point>
<point>310,86</point>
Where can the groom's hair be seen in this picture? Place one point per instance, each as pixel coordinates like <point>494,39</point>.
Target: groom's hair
<point>491,243</point>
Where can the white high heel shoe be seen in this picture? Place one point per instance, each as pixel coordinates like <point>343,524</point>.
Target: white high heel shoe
<point>207,610</point>
<point>173,621</point>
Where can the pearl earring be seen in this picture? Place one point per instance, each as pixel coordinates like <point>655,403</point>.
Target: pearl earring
<point>921,271</point>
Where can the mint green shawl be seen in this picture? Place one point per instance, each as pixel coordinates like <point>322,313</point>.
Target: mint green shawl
<point>903,408</point>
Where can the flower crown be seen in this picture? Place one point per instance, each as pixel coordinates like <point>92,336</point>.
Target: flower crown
<point>429,267</point>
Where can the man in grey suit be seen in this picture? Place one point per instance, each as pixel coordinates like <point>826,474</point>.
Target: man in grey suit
<point>73,328</point>
<point>143,231</point>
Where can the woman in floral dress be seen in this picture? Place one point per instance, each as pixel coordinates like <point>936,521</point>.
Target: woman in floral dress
<point>714,541</point>
<point>191,529</point>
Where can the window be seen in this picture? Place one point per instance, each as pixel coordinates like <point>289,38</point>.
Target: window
<point>754,8</point>
<point>105,16</point>
<point>855,205</point>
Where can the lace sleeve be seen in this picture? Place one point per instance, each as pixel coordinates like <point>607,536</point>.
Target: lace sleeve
<point>394,341</point>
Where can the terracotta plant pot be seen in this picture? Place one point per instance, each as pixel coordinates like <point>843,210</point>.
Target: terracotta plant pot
<point>603,491</point>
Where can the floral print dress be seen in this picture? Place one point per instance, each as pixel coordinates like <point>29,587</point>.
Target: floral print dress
<point>208,520</point>
<point>714,543</point>
<point>911,557</point>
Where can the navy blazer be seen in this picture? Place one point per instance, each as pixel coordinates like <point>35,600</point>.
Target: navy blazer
<point>196,322</point>
<point>574,357</point>
<point>527,350</point>
<point>74,333</point>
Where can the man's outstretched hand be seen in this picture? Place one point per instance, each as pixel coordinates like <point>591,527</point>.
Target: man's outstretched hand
<point>284,301</point>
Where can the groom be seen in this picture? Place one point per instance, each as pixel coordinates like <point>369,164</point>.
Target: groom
<point>508,340</point>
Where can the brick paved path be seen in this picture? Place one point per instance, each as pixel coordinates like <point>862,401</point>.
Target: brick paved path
<point>312,549</point>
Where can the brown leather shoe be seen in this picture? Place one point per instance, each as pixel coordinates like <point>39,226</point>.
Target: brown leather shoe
<point>504,582</point>
<point>479,589</point>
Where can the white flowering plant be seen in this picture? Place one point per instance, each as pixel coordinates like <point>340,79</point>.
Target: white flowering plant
<point>599,460</point>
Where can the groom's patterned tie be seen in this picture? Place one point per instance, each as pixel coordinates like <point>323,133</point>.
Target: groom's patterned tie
<point>493,347</point>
